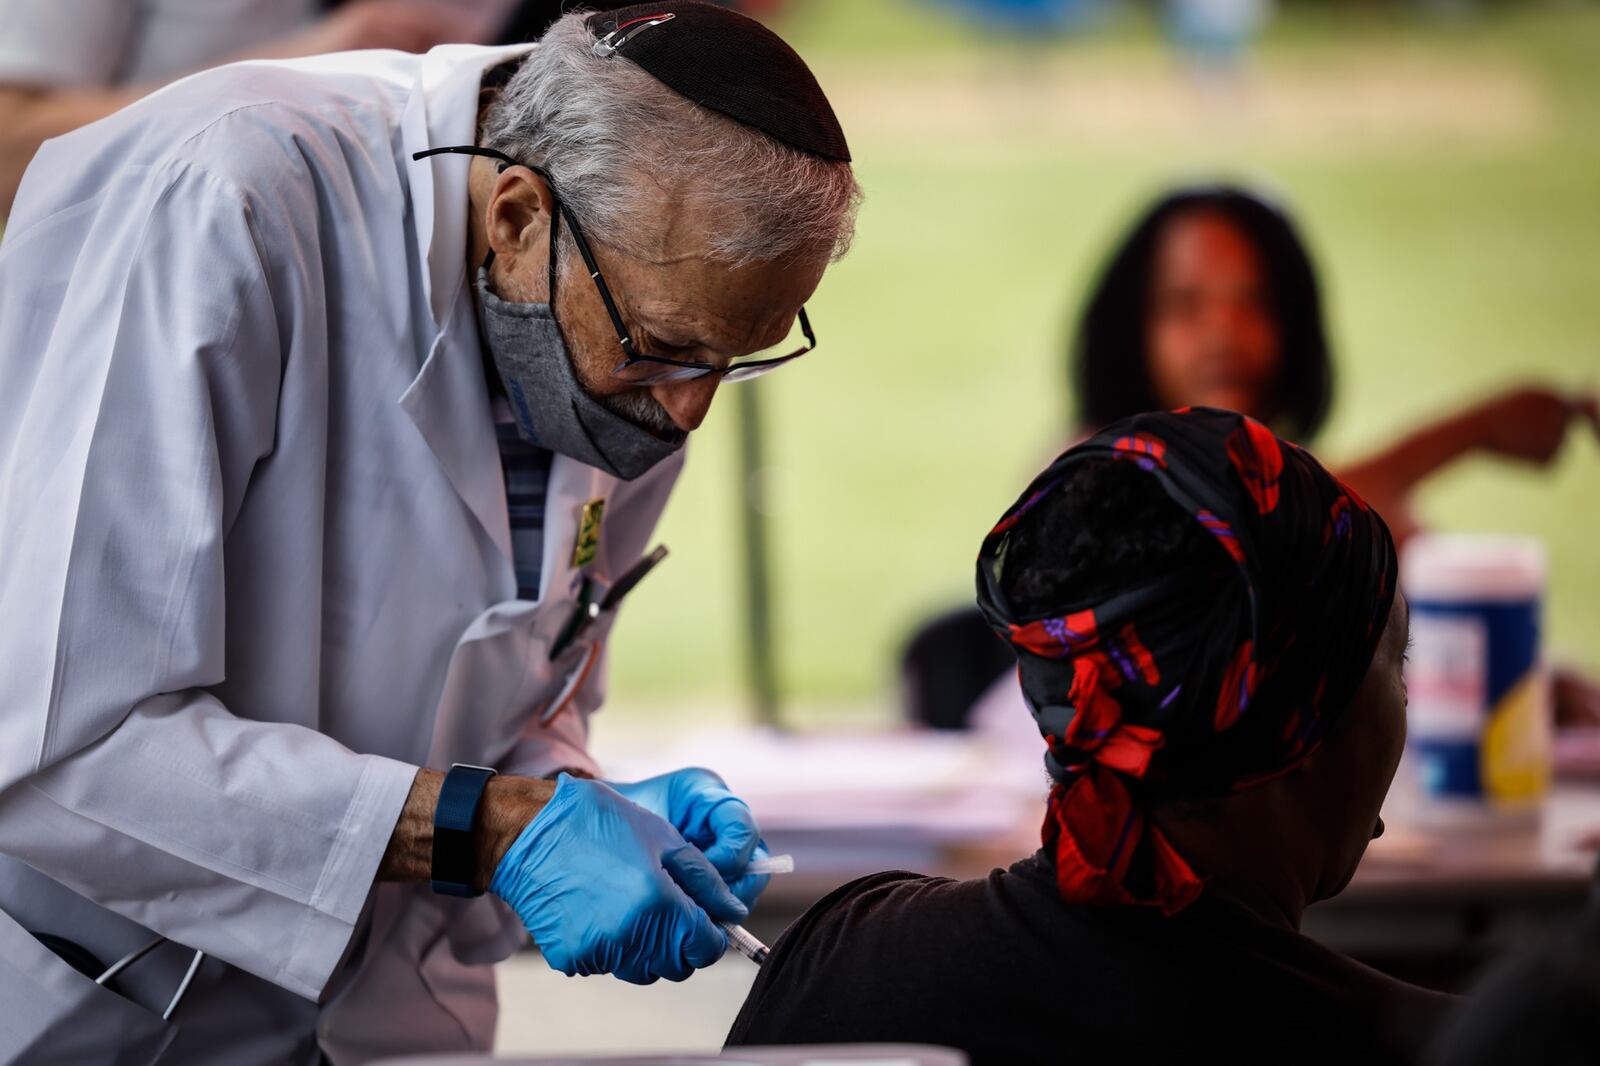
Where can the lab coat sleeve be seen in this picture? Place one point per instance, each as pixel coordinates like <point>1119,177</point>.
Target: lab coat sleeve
<point>138,419</point>
<point>64,42</point>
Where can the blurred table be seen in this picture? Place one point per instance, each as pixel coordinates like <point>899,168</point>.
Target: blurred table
<point>1434,903</point>
<point>842,1055</point>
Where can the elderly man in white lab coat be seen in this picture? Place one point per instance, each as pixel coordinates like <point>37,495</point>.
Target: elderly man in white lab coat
<point>323,462</point>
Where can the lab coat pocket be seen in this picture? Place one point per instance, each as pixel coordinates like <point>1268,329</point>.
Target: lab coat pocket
<point>55,1015</point>
<point>502,679</point>
<point>558,663</point>
<point>487,670</point>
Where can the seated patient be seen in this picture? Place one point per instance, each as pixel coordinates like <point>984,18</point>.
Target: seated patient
<point>1210,641</point>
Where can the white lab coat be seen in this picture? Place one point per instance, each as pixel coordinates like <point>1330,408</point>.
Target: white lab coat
<point>254,566</point>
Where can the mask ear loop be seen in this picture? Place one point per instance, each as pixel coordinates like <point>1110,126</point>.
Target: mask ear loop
<point>555,228</point>
<point>506,161</point>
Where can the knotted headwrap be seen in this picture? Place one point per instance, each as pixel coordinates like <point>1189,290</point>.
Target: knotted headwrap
<point>1190,683</point>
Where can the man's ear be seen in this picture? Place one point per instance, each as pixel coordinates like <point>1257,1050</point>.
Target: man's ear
<point>517,220</point>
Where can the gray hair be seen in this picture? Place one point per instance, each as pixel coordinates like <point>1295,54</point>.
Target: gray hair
<point>613,140</point>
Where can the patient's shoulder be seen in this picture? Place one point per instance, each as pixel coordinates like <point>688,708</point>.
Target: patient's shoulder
<point>1004,969</point>
<point>871,918</point>
<point>885,958</point>
<point>897,920</point>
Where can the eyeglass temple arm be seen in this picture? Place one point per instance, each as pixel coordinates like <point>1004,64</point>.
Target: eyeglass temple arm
<point>589,263</point>
<point>561,206</point>
<point>594,271</point>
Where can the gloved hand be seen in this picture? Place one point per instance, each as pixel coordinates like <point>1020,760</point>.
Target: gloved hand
<point>698,804</point>
<point>605,886</point>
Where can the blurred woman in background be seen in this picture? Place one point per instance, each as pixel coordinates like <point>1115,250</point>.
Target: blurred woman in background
<point>1214,294</point>
<point>1212,300</point>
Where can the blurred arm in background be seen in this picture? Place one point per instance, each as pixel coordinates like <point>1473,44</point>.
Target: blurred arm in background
<point>66,64</point>
<point>1527,425</point>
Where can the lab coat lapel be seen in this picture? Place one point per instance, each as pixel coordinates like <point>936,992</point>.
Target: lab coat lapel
<point>499,660</point>
<point>449,403</point>
<point>478,716</point>
<point>572,486</point>
<point>443,111</point>
<point>448,400</point>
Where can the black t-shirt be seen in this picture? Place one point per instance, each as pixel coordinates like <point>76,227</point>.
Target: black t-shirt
<point>1005,970</point>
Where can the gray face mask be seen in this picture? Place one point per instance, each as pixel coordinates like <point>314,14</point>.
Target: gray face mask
<point>552,408</point>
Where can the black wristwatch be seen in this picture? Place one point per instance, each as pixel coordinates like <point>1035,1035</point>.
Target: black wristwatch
<point>455,855</point>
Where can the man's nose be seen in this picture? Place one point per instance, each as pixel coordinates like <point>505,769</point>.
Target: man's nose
<point>688,401</point>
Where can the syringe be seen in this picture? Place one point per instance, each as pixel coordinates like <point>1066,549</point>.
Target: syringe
<point>772,864</point>
<point>746,943</point>
<point>742,939</point>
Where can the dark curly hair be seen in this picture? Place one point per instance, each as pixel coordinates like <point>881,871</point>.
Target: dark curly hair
<point>1109,365</point>
<point>1107,526</point>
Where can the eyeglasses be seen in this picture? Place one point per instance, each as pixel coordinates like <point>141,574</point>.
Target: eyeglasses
<point>642,369</point>
<point>636,368</point>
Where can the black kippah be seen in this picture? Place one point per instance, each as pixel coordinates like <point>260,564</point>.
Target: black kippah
<point>729,63</point>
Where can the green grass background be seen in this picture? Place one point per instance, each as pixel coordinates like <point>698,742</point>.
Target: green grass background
<point>1452,264</point>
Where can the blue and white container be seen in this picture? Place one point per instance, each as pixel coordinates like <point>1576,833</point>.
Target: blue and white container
<point>1479,720</point>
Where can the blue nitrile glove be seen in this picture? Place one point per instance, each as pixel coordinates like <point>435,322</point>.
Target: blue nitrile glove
<point>605,886</point>
<point>698,804</point>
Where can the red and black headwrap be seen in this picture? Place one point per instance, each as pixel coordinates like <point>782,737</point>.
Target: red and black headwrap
<point>1190,683</point>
